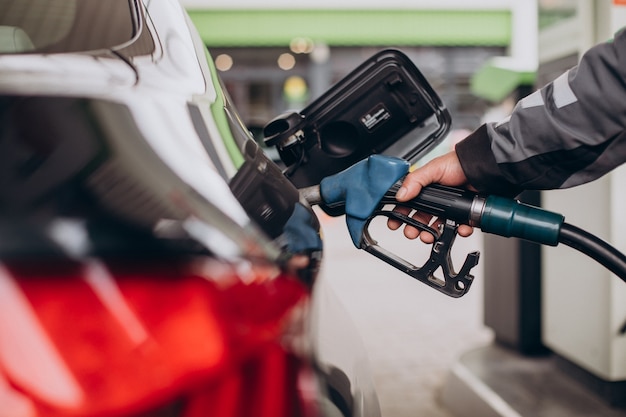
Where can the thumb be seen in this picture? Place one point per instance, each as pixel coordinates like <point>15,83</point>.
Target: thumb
<point>417,179</point>
<point>411,187</point>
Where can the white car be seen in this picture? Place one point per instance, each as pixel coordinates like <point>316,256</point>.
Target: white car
<point>153,261</point>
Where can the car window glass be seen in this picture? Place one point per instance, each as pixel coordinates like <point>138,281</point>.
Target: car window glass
<point>65,25</point>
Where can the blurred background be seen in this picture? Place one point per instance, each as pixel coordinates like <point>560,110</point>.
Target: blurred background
<point>280,55</point>
<point>480,57</point>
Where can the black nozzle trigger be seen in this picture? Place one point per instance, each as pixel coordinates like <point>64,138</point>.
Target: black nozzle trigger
<point>452,283</point>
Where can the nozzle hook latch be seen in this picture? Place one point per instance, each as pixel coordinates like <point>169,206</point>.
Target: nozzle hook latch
<point>449,282</point>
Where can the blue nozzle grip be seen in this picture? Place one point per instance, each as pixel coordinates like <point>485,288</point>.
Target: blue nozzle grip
<point>361,188</point>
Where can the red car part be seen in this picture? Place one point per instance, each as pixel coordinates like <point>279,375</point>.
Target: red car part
<point>93,339</point>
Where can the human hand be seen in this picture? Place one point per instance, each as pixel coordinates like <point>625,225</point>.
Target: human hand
<point>444,170</point>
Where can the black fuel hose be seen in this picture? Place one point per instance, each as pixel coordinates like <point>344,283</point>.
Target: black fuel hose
<point>595,248</point>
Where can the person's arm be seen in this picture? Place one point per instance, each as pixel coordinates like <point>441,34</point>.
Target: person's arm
<point>569,132</point>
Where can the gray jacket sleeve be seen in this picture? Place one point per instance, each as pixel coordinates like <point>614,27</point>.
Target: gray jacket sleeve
<point>571,131</point>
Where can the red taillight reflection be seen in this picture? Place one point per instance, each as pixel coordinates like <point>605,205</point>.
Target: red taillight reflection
<point>119,339</point>
<point>269,384</point>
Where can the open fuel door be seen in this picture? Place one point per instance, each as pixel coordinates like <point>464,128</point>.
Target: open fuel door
<point>385,106</point>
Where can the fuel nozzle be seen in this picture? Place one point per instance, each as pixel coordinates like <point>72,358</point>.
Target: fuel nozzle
<point>363,191</point>
<point>366,189</point>
<point>373,182</point>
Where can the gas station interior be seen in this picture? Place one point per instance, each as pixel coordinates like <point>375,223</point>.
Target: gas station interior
<point>558,321</point>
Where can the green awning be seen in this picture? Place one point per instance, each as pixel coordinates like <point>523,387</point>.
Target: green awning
<point>495,83</point>
<point>234,28</point>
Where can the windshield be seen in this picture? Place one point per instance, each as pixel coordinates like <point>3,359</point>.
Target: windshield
<point>53,26</point>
